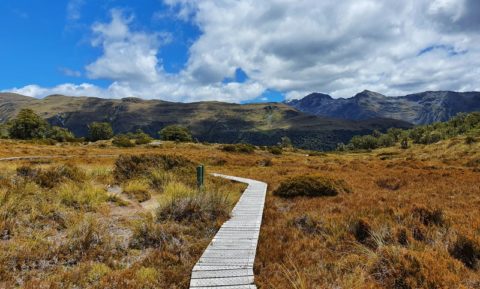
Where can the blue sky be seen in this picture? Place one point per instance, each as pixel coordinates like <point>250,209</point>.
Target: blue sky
<point>237,51</point>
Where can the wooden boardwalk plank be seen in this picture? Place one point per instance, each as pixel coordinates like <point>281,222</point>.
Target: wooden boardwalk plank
<point>228,260</point>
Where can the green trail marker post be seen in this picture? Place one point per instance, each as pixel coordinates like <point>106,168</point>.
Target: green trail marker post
<point>200,176</point>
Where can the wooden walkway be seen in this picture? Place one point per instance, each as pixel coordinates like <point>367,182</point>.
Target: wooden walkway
<point>227,263</point>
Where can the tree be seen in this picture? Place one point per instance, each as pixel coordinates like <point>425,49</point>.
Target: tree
<point>28,125</point>
<point>99,131</point>
<point>286,142</point>
<point>176,133</point>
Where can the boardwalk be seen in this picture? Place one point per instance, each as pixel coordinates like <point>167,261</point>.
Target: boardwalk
<point>228,260</point>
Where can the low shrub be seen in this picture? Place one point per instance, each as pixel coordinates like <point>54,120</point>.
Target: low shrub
<point>467,251</point>
<point>123,141</point>
<point>131,166</point>
<point>469,140</point>
<point>49,178</point>
<point>238,148</point>
<point>311,186</point>
<point>429,217</point>
<point>362,231</point>
<point>275,150</point>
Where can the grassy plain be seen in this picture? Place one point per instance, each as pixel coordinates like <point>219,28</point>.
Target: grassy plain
<point>411,220</point>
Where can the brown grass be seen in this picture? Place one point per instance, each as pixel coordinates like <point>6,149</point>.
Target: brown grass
<point>418,209</point>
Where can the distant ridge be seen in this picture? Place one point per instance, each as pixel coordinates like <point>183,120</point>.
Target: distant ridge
<point>419,108</point>
<point>258,123</point>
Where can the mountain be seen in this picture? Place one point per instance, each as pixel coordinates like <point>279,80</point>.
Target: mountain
<point>259,123</point>
<point>420,108</point>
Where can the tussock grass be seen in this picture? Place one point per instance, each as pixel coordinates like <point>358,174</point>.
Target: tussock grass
<point>406,246</point>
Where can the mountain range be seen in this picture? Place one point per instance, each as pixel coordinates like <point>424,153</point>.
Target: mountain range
<point>420,108</point>
<point>317,121</point>
<point>258,123</point>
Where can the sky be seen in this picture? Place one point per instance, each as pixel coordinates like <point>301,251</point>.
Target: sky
<point>237,51</point>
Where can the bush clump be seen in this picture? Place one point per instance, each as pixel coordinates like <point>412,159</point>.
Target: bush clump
<point>123,141</point>
<point>311,186</point>
<point>275,150</point>
<point>238,148</point>
<point>49,178</point>
<point>176,133</point>
<point>131,166</point>
<point>467,251</point>
<point>362,231</point>
<point>428,216</point>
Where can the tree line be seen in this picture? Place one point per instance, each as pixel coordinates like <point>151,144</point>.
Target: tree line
<point>462,124</point>
<point>28,125</point>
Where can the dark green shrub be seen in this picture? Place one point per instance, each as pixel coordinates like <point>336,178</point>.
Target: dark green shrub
<point>99,131</point>
<point>60,134</point>
<point>311,186</point>
<point>123,141</point>
<point>239,148</point>
<point>275,150</point>
<point>28,125</point>
<point>176,133</point>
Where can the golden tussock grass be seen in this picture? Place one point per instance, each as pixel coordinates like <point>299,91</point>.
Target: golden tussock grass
<point>411,219</point>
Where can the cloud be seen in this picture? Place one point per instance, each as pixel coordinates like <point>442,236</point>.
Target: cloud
<point>74,8</point>
<point>296,47</point>
<point>70,72</point>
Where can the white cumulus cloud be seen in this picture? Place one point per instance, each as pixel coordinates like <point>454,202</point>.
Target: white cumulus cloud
<point>330,46</point>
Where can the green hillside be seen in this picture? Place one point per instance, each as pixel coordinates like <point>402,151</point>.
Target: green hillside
<point>260,123</point>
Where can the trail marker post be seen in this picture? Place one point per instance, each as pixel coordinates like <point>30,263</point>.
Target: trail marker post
<point>200,176</point>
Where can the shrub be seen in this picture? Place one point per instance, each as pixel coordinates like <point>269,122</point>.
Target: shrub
<point>470,140</point>
<point>122,140</point>
<point>142,138</point>
<point>28,125</point>
<point>49,178</point>
<point>60,134</point>
<point>99,131</point>
<point>238,148</point>
<point>467,251</point>
<point>362,231</point>
<point>428,216</point>
<point>131,166</point>
<point>147,234</point>
<point>176,133</point>
<point>310,186</point>
<point>275,150</point>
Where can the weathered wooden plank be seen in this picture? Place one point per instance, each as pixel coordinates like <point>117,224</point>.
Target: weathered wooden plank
<point>228,260</point>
